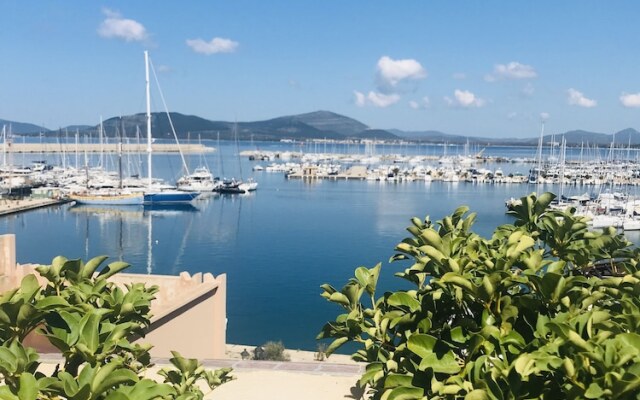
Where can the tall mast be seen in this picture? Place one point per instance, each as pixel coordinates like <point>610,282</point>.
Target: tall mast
<point>4,145</point>
<point>146,71</point>
<point>101,139</point>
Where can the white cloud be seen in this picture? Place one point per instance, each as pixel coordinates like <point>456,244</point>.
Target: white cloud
<point>391,72</point>
<point>513,70</point>
<point>164,68</point>
<point>576,98</point>
<point>115,26</point>
<point>512,115</point>
<point>215,45</point>
<point>528,90</point>
<point>465,99</point>
<point>423,103</point>
<point>380,100</point>
<point>459,76</point>
<point>545,116</point>
<point>361,99</point>
<point>631,100</point>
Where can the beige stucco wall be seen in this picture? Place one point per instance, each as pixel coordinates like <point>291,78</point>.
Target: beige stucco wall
<point>189,312</point>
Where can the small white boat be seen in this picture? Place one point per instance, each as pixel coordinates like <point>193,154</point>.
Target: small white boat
<point>631,224</point>
<point>201,180</point>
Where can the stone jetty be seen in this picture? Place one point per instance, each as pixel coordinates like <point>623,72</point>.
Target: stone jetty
<point>103,148</point>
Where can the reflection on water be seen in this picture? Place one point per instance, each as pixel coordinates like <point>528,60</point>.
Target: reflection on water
<point>121,229</point>
<point>277,245</point>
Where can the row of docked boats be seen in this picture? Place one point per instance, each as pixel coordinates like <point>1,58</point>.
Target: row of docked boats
<point>607,209</point>
<point>394,172</point>
<point>99,186</point>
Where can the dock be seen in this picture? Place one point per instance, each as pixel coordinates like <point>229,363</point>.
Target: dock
<point>10,206</point>
<point>358,172</point>
<point>48,148</point>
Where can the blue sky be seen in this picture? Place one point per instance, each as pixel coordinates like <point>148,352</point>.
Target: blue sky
<point>475,68</point>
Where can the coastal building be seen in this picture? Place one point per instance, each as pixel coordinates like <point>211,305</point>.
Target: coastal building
<point>189,312</point>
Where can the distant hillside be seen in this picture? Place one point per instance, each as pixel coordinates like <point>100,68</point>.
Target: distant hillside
<point>377,134</point>
<point>160,126</point>
<point>432,136</point>
<point>21,127</point>
<point>313,125</point>
<point>76,128</point>
<point>290,127</point>
<point>621,138</point>
<point>327,121</point>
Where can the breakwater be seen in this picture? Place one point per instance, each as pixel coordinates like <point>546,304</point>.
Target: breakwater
<point>49,148</point>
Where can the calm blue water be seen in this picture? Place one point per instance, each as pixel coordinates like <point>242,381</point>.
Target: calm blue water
<point>277,245</point>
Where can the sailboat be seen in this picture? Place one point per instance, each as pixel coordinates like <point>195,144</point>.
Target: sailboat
<point>200,180</point>
<point>153,194</point>
<point>235,186</point>
<point>117,196</point>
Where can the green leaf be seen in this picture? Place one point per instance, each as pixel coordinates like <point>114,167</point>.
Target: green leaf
<point>406,393</point>
<point>91,266</point>
<point>543,201</point>
<point>114,378</point>
<point>403,299</point>
<point>28,387</point>
<point>335,345</point>
<point>113,269</point>
<point>477,394</point>
<point>594,391</point>
<point>629,339</point>
<point>339,298</point>
<point>435,354</point>
<point>52,302</point>
<point>395,380</point>
<point>90,335</point>
<point>5,393</point>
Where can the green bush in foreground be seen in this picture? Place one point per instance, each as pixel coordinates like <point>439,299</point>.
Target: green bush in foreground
<point>91,321</point>
<point>525,314</point>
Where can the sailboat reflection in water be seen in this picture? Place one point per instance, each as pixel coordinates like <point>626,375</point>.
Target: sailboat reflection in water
<point>128,225</point>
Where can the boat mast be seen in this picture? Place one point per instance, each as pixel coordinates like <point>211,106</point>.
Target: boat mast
<point>101,139</point>
<point>4,146</point>
<point>146,71</point>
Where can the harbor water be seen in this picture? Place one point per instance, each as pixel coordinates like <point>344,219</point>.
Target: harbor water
<point>277,245</point>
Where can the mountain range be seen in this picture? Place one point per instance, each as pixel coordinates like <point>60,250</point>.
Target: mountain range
<point>313,125</point>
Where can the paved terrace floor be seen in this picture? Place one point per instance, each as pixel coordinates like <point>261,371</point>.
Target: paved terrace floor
<point>266,380</point>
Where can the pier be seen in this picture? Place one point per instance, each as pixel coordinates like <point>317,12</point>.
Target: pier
<point>10,206</point>
<point>49,148</point>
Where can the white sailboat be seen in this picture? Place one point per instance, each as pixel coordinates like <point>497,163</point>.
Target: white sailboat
<point>117,196</point>
<point>154,194</point>
<point>237,186</point>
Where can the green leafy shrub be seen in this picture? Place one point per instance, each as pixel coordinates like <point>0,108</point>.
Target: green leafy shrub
<point>90,320</point>
<point>544,308</point>
<point>271,351</point>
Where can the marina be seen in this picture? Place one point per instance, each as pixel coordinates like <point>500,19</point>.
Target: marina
<point>278,244</point>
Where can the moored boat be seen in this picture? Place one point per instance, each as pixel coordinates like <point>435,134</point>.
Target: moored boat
<point>105,198</point>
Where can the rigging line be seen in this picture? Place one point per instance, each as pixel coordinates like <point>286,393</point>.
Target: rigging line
<point>183,243</point>
<point>173,130</point>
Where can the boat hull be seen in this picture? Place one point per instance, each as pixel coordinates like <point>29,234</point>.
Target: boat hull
<point>120,199</point>
<point>169,197</point>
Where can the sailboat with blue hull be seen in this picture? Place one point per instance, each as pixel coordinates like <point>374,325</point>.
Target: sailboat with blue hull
<point>169,196</point>
<point>151,195</point>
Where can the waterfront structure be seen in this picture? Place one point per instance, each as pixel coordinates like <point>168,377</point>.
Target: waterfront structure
<point>189,312</point>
